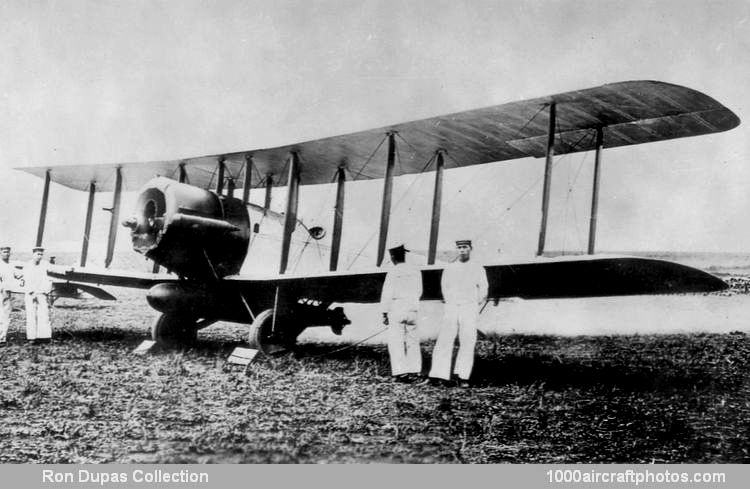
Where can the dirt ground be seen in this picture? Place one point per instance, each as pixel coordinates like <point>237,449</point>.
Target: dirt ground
<point>85,398</point>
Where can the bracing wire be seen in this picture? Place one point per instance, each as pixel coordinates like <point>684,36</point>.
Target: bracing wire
<point>575,213</point>
<point>175,170</point>
<point>260,177</point>
<point>398,202</point>
<point>284,170</point>
<point>534,184</point>
<point>517,134</point>
<point>213,174</point>
<point>541,108</point>
<point>370,157</point>
<point>350,346</point>
<point>565,213</point>
<point>571,204</point>
<point>315,217</point>
<point>301,252</point>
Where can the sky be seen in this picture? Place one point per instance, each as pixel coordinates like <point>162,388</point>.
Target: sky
<point>87,82</point>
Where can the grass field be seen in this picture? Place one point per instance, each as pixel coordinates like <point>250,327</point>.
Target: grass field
<point>85,398</point>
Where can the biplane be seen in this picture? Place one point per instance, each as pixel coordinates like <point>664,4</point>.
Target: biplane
<point>189,220</point>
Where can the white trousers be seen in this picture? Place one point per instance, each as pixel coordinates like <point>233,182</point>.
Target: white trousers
<point>5,309</point>
<point>403,340</point>
<point>37,317</point>
<point>461,320</point>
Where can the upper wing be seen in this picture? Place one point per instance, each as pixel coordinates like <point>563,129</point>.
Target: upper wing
<point>632,112</point>
<point>542,278</point>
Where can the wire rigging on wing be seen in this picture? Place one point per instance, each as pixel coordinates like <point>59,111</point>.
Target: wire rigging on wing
<point>569,201</point>
<point>254,236</point>
<point>471,178</point>
<point>395,206</point>
<point>213,174</point>
<point>565,157</point>
<point>361,169</point>
<point>314,218</point>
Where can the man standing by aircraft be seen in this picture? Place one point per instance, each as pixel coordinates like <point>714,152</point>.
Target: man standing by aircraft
<point>37,286</point>
<point>464,286</point>
<point>400,305</point>
<point>7,277</point>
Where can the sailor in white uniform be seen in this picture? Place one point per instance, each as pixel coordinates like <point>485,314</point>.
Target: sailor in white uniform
<point>399,302</point>
<point>37,286</point>
<point>7,279</point>
<point>464,287</point>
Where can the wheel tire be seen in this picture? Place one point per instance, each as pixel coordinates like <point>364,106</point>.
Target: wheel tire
<point>172,330</point>
<point>260,336</point>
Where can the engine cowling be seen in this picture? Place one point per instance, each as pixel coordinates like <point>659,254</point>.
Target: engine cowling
<point>190,231</point>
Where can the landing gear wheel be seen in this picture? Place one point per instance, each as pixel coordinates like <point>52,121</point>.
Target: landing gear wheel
<point>261,335</point>
<point>172,330</point>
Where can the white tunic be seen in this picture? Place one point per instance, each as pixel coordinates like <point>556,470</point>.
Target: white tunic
<point>400,300</point>
<point>402,288</point>
<point>7,279</point>
<point>37,286</point>
<point>7,276</point>
<point>35,278</point>
<point>464,286</point>
<point>464,283</point>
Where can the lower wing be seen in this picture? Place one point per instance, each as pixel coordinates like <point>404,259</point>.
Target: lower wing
<point>106,276</point>
<point>541,278</point>
<point>72,290</point>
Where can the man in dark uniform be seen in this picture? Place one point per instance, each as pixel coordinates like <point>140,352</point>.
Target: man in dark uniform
<point>399,302</point>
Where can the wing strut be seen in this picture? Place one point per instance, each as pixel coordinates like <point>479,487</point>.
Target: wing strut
<point>436,202</point>
<point>385,211</point>
<point>182,178</point>
<point>595,192</point>
<point>547,178</point>
<point>183,173</point>
<point>338,218</point>
<point>248,179</point>
<point>115,217</point>
<point>269,188</point>
<point>87,226</point>
<point>290,218</point>
<point>220,180</point>
<point>43,212</point>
